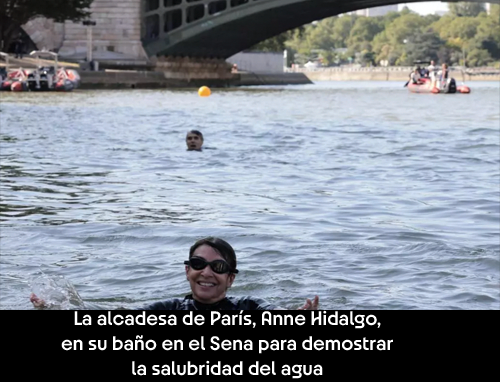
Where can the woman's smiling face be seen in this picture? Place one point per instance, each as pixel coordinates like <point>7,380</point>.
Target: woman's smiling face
<point>207,286</point>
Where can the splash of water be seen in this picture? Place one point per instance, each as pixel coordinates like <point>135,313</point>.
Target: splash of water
<point>57,293</point>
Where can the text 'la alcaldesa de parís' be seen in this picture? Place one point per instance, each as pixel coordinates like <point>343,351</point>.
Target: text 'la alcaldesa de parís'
<point>314,317</point>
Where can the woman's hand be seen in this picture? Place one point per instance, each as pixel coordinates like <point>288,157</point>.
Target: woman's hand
<point>310,305</point>
<point>37,302</point>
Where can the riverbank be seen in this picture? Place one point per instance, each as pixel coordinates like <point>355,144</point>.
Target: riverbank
<point>391,74</point>
<point>158,80</point>
<point>185,73</point>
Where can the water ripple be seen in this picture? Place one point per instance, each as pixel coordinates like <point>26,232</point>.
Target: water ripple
<point>320,189</point>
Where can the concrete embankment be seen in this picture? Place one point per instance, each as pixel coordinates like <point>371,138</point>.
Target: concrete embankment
<point>249,79</point>
<point>145,80</point>
<point>393,74</point>
<point>157,80</point>
<point>184,72</point>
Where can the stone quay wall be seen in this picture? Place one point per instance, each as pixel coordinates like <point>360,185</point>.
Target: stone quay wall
<point>193,68</point>
<point>388,74</point>
<point>121,79</point>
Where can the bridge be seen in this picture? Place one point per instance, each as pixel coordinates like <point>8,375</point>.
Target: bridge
<point>222,28</point>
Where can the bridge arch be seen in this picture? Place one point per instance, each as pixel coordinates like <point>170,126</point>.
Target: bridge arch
<point>222,28</point>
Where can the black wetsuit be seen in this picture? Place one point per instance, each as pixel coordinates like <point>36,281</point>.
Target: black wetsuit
<point>228,303</point>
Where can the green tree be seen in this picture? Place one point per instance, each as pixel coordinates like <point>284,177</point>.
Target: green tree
<point>342,30</point>
<point>488,35</point>
<point>466,9</point>
<point>464,28</point>
<point>15,13</point>
<point>423,46</point>
<point>277,43</point>
<point>364,55</point>
<point>495,11</point>
<point>478,57</point>
<point>301,45</point>
<point>321,33</point>
<point>360,39</point>
<point>459,34</point>
<point>390,17</point>
<point>384,50</point>
<point>331,57</point>
<point>364,30</point>
<point>403,37</point>
<point>389,44</point>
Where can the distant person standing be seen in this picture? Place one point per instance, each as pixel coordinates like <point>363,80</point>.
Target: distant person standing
<point>432,67</point>
<point>430,70</point>
<point>18,46</point>
<point>194,140</point>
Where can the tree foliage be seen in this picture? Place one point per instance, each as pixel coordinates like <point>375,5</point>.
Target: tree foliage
<point>466,32</point>
<point>465,9</point>
<point>423,46</point>
<point>277,43</point>
<point>15,13</point>
<point>495,11</point>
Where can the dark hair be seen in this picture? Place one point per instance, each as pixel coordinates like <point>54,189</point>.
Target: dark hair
<point>196,132</point>
<point>222,247</point>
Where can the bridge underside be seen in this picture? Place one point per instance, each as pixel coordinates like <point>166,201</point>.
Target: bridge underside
<point>210,37</point>
<point>226,39</point>
<point>233,37</point>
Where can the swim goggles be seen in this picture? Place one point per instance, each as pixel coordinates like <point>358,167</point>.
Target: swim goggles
<point>218,266</point>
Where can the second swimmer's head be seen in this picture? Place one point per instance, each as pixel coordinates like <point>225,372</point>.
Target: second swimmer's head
<point>194,140</point>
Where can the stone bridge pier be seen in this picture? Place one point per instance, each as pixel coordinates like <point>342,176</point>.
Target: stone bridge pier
<point>115,37</point>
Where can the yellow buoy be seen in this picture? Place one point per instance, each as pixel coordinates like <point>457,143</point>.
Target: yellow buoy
<point>204,91</point>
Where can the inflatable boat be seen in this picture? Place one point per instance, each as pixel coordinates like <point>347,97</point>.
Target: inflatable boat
<point>43,77</point>
<point>450,87</point>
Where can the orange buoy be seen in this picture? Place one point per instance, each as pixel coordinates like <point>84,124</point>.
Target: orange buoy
<point>204,91</point>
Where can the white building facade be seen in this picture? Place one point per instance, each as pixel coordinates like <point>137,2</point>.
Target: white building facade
<point>376,11</point>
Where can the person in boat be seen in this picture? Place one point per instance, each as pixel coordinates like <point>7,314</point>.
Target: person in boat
<point>3,73</point>
<point>194,140</point>
<point>37,77</point>
<point>415,76</point>
<point>443,75</point>
<point>210,271</point>
<point>3,77</point>
<point>48,73</point>
<point>431,68</point>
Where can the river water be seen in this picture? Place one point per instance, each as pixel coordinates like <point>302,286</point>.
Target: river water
<point>361,192</point>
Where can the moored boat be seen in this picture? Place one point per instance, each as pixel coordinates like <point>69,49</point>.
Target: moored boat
<point>11,79</point>
<point>52,77</point>
<point>43,78</point>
